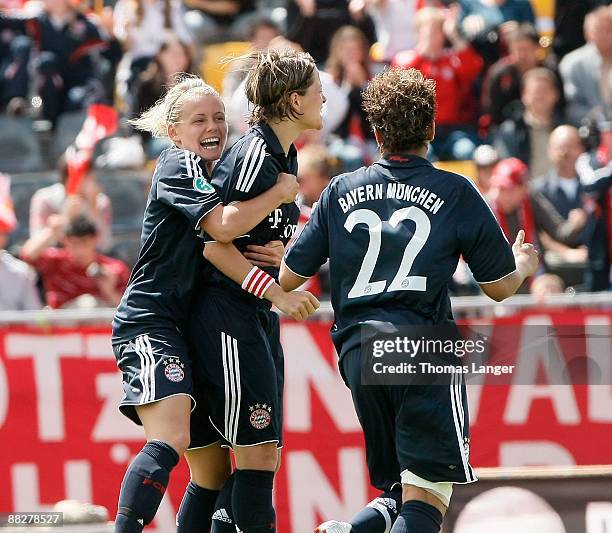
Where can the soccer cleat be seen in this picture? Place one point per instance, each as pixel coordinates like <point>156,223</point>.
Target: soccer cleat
<point>332,526</point>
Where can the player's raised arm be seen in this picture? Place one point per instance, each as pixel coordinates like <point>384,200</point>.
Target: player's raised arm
<point>526,259</point>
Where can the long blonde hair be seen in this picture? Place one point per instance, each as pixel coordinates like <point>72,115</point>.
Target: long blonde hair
<point>168,109</point>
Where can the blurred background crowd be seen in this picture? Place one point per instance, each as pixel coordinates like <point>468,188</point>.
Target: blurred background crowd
<point>524,109</point>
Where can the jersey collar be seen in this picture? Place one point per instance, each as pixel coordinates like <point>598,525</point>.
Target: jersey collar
<point>403,160</point>
<point>272,143</point>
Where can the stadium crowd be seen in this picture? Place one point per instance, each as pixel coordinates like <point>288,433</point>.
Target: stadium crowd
<point>523,109</point>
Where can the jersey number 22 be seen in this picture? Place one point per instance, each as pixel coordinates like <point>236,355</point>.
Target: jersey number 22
<point>402,280</point>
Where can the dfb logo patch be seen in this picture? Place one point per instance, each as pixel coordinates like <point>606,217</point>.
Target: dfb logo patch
<point>201,185</point>
<point>260,416</point>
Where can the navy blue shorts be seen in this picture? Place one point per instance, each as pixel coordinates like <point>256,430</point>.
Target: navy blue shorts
<point>157,366</point>
<point>239,367</point>
<point>420,428</point>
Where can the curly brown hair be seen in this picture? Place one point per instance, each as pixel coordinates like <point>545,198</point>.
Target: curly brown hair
<point>276,75</point>
<point>401,105</point>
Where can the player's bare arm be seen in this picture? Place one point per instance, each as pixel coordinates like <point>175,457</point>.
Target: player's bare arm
<point>225,223</point>
<point>227,258</point>
<point>288,279</point>
<point>526,258</point>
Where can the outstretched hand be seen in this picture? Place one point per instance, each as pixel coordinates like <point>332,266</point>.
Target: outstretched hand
<point>526,256</point>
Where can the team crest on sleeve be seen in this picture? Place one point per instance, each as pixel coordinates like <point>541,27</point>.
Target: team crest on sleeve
<point>260,416</point>
<point>174,369</point>
<point>201,185</point>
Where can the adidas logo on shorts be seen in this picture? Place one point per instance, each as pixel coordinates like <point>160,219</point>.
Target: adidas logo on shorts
<point>222,516</point>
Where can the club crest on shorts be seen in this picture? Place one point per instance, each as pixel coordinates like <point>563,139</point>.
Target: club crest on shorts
<point>174,369</point>
<point>200,184</point>
<point>260,415</point>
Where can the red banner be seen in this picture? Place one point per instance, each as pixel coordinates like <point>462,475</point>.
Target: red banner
<point>62,436</point>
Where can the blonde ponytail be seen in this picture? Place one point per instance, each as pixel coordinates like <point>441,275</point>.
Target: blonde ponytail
<point>167,110</point>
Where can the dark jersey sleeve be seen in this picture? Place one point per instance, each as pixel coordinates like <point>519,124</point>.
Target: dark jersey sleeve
<point>483,244</point>
<point>245,172</point>
<point>183,185</point>
<point>311,249</point>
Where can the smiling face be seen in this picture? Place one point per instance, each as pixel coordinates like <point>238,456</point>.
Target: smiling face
<point>310,104</point>
<point>202,128</point>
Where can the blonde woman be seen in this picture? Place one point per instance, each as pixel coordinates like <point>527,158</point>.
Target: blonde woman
<point>149,323</point>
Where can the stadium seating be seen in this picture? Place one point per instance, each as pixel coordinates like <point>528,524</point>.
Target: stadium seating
<point>68,127</point>
<point>19,145</point>
<point>213,68</point>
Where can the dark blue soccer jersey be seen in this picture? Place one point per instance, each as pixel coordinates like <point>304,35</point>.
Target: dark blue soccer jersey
<point>249,168</point>
<point>159,292</point>
<point>394,232</point>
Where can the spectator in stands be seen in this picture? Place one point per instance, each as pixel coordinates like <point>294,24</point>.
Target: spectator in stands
<point>349,65</point>
<point>393,21</point>
<point>172,58</point>
<point>77,268</point>
<point>568,23</point>
<point>316,168</point>
<point>67,41</point>
<point>334,110</point>
<point>214,20</point>
<point>560,190</point>
<point>312,23</point>
<point>141,26</point>
<point>14,74</point>
<point>454,70</point>
<point>561,185</point>
<point>485,159</point>
<point>261,33</point>
<point>501,91</point>
<point>52,200</point>
<point>483,16</point>
<point>587,71</point>
<point>544,285</point>
<point>510,201</point>
<point>595,172</point>
<point>526,136</point>
<point>17,280</point>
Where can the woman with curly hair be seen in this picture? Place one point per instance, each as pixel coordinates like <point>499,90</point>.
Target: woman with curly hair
<point>393,233</point>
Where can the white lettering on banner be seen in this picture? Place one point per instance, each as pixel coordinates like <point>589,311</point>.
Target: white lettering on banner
<point>111,425</point>
<point>25,482</point>
<point>598,517</point>
<point>599,369</point>
<point>312,495</point>
<point>26,488</point>
<point>534,453</point>
<point>306,368</point>
<point>78,481</point>
<point>536,351</point>
<point>46,352</point>
<point>474,393</point>
<point>4,394</point>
